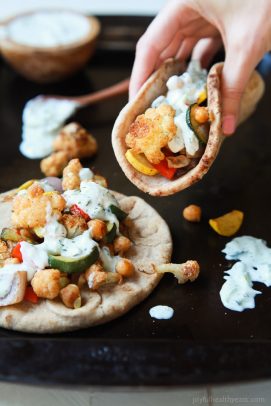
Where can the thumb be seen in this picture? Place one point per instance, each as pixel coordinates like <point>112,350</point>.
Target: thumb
<point>235,75</point>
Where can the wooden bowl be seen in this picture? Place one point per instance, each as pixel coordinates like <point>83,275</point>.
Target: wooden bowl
<point>50,64</point>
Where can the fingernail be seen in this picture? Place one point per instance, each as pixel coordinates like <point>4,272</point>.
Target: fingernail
<point>229,125</point>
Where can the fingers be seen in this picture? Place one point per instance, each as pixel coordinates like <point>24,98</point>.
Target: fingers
<point>171,50</point>
<point>206,49</point>
<point>239,65</point>
<point>158,37</point>
<point>186,48</point>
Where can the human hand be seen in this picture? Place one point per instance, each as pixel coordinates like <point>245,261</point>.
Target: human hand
<point>199,27</point>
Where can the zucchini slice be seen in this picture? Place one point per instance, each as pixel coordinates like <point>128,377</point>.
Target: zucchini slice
<point>72,265</point>
<point>111,233</point>
<point>120,214</point>
<point>17,234</point>
<point>200,130</point>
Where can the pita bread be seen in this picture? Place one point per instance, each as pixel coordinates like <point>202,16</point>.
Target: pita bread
<point>151,244</point>
<point>155,86</point>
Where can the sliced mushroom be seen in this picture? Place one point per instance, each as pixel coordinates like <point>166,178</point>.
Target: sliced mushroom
<point>179,161</point>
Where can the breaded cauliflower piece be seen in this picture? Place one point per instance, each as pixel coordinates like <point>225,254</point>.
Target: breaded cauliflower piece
<point>46,283</point>
<point>76,141</point>
<point>54,164</point>
<point>31,207</point>
<point>152,131</point>
<point>75,225</point>
<point>71,179</point>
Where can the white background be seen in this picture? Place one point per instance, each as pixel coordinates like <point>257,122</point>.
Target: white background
<point>137,7</point>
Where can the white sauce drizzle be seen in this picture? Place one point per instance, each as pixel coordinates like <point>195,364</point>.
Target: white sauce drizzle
<point>109,261</point>
<point>183,91</point>
<point>86,174</point>
<point>42,120</point>
<point>161,312</point>
<point>254,265</point>
<point>94,200</point>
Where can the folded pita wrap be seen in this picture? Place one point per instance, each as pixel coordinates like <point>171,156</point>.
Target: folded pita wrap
<point>152,244</point>
<point>156,85</point>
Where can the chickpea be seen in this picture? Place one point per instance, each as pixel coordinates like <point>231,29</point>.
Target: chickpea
<point>70,296</point>
<point>121,244</point>
<point>46,283</point>
<point>201,114</point>
<point>97,267</point>
<point>98,229</point>
<point>125,267</point>
<point>192,213</point>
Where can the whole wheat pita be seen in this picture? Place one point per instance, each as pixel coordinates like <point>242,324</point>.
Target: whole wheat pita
<point>155,86</point>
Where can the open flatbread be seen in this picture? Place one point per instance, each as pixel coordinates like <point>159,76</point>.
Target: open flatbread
<point>155,86</point>
<point>152,243</point>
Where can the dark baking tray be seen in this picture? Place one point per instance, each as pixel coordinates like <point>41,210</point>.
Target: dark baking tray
<point>204,342</point>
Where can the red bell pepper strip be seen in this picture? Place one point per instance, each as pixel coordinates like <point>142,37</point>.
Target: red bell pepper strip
<point>164,170</point>
<point>74,209</point>
<point>30,295</point>
<point>16,252</point>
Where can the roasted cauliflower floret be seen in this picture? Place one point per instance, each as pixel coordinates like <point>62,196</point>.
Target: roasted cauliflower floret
<point>152,131</point>
<point>71,178</point>
<point>30,208</point>
<point>54,164</point>
<point>76,141</point>
<point>75,225</point>
<point>46,283</point>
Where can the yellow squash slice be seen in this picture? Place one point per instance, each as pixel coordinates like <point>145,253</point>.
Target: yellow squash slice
<point>26,185</point>
<point>140,163</point>
<point>228,224</point>
<point>202,96</point>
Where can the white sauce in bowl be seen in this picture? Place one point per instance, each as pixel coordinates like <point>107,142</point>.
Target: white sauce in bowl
<point>47,29</point>
<point>42,120</point>
<point>161,312</point>
<point>254,265</point>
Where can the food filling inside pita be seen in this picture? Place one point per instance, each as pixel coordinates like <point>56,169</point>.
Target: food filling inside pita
<point>170,137</point>
<point>64,235</point>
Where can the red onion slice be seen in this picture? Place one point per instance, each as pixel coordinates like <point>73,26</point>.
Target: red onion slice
<point>54,182</point>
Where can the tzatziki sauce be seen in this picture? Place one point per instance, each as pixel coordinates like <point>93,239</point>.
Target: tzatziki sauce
<point>42,120</point>
<point>161,312</point>
<point>183,91</point>
<point>254,265</point>
<point>93,199</point>
<point>45,29</point>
